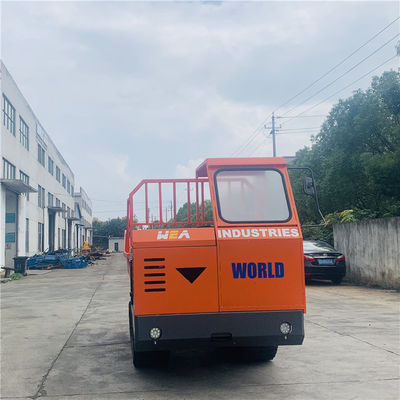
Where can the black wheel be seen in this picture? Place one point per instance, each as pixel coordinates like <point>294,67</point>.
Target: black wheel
<point>337,280</point>
<point>145,358</point>
<point>261,353</point>
<point>142,359</point>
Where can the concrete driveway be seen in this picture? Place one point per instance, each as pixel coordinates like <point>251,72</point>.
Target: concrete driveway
<point>64,335</point>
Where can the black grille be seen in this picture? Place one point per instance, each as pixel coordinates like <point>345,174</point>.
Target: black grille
<point>155,281</point>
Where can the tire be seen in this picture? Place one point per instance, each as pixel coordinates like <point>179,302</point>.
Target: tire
<point>337,281</point>
<point>260,353</point>
<point>252,354</point>
<point>143,359</point>
<point>150,359</point>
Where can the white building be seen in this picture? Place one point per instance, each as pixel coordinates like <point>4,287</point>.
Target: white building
<point>37,203</point>
<point>116,244</point>
<point>83,211</point>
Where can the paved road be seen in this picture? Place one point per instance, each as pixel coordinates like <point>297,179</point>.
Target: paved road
<point>64,335</point>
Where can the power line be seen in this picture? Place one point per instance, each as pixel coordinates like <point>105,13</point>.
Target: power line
<point>307,116</point>
<point>256,132</point>
<point>344,88</point>
<point>337,65</point>
<point>250,139</point>
<point>342,75</point>
<point>296,129</point>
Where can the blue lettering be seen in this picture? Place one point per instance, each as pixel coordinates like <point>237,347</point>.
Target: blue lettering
<point>270,274</point>
<point>258,270</point>
<point>252,270</point>
<point>262,270</point>
<point>239,270</point>
<point>279,270</point>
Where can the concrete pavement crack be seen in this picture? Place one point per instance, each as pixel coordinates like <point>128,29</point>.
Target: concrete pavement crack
<point>353,337</point>
<point>40,392</point>
<point>97,344</point>
<point>245,385</point>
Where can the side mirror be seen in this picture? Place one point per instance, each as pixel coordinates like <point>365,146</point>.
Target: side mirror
<point>308,186</point>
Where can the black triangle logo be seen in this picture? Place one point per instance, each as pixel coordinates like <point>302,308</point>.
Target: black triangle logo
<point>191,274</point>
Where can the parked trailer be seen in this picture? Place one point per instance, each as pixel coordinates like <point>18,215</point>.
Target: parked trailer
<point>235,281</point>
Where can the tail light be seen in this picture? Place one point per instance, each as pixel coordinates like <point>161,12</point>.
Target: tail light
<point>308,258</point>
<point>341,258</point>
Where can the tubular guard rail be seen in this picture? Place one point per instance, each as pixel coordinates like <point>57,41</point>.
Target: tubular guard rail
<point>198,221</point>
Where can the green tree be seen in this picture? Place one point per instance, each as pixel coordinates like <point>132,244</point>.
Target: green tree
<point>356,155</point>
<point>103,229</point>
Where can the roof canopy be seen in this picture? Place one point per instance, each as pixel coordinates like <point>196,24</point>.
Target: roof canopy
<point>17,186</point>
<point>201,170</point>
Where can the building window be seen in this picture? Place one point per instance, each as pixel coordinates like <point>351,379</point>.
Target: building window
<point>64,181</point>
<point>23,133</point>
<point>41,155</point>
<point>58,204</point>
<point>59,238</point>
<point>58,174</point>
<point>26,235</point>
<point>68,186</point>
<point>72,190</point>
<point>8,170</point>
<point>24,178</point>
<point>40,236</point>
<point>63,210</point>
<point>50,199</point>
<point>41,195</point>
<point>50,165</point>
<point>8,115</point>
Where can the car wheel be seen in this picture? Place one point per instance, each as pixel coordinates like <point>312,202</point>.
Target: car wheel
<point>337,281</point>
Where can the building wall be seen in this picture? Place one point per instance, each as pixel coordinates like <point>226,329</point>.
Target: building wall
<point>85,207</point>
<point>26,160</point>
<point>372,250</point>
<point>119,241</point>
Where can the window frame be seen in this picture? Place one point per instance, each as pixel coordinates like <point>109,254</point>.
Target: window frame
<point>41,155</point>
<point>252,222</point>
<point>24,178</point>
<point>10,167</point>
<point>23,133</point>
<point>50,165</point>
<point>10,118</point>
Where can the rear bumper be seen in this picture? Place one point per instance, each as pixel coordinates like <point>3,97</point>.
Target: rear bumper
<point>325,272</point>
<point>256,328</point>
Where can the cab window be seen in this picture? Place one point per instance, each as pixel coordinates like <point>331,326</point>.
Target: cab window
<point>251,195</point>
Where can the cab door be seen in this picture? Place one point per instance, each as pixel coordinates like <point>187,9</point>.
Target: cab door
<point>259,242</point>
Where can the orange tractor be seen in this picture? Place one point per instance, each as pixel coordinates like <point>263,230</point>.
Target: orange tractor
<point>224,269</point>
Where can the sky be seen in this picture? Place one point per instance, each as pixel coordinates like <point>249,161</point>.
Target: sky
<point>132,90</point>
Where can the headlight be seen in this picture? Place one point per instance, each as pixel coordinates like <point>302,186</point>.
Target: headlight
<point>155,333</point>
<point>285,328</point>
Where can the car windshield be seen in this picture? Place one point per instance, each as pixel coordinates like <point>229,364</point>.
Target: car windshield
<point>315,245</point>
<point>252,196</point>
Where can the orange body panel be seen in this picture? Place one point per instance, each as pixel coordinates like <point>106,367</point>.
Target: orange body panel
<point>173,237</point>
<point>273,272</point>
<point>169,291</point>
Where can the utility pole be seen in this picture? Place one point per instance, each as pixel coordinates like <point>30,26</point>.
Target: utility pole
<point>273,133</point>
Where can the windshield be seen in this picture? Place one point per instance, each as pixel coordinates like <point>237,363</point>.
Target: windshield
<point>316,246</point>
<point>252,196</point>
